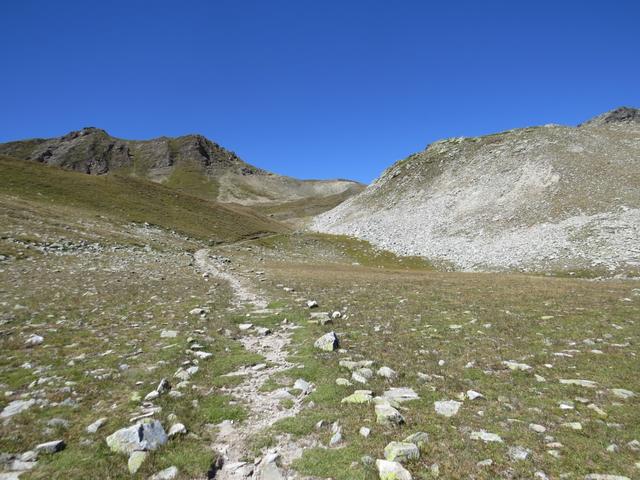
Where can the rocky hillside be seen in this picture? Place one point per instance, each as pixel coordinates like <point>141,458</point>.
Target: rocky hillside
<point>549,198</point>
<point>190,163</point>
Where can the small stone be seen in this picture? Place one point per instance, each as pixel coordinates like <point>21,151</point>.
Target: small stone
<point>15,407</point>
<point>359,396</point>
<point>335,315</point>
<point>537,428</point>
<point>167,474</point>
<point>34,340</point>
<point>95,426</point>
<point>447,408</point>
<point>387,415</point>
<point>145,435</point>
<point>388,470</point>
<point>486,437</point>
<point>168,334</point>
<point>245,326</point>
<point>400,395</point>
<point>312,304</point>
<point>136,459</point>
<point>263,331</point>
<point>302,385</point>
<point>335,439</point>
<point>579,382</point>
<point>177,429</point>
<point>511,365</point>
<point>386,372</point>
<point>485,463</point>
<point>50,447</point>
<point>343,382</point>
<point>473,395</point>
<point>419,439</point>
<point>622,393</point>
<point>401,452</point>
<point>364,431</point>
<point>572,425</point>
<point>518,453</point>
<point>328,342</point>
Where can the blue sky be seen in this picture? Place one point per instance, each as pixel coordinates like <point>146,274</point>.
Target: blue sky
<point>313,89</point>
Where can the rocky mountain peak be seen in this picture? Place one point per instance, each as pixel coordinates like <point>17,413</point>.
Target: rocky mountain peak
<point>616,116</point>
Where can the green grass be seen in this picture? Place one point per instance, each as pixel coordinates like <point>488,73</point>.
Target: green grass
<point>413,310</point>
<point>126,199</point>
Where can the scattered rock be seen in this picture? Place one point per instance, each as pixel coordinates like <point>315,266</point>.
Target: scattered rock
<point>168,334</point>
<point>622,393</point>
<point>328,342</point>
<point>579,382</point>
<point>401,451</point>
<point>359,396</point>
<point>34,340</point>
<point>365,432</point>
<point>388,470</point>
<point>386,372</point>
<point>399,395</point>
<point>511,365</point>
<point>419,439</point>
<point>95,426</point>
<point>136,459</point>
<point>312,304</point>
<point>50,447</point>
<point>447,408</point>
<point>387,415</point>
<point>518,453</point>
<point>166,474</point>
<point>15,407</point>
<point>145,435</point>
<point>486,437</point>
<point>177,429</point>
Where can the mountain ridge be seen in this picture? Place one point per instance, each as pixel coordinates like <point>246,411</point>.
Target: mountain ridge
<point>191,163</point>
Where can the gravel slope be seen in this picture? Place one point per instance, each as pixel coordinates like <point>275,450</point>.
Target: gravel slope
<point>542,198</point>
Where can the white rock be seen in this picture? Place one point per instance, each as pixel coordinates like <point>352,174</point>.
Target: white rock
<point>518,453</point>
<point>34,340</point>
<point>511,365</point>
<point>312,304</point>
<point>392,470</point>
<point>400,395</point>
<point>95,426</point>
<point>177,429</point>
<point>579,382</point>
<point>447,408</point>
<point>537,428</point>
<point>364,431</point>
<point>15,407</point>
<point>386,372</point>
<point>472,395</point>
<point>168,334</point>
<point>486,436</point>
<point>622,393</point>
<point>166,474</point>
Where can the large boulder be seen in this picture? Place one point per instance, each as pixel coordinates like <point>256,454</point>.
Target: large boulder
<point>145,435</point>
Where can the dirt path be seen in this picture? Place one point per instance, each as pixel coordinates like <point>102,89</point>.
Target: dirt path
<point>264,407</point>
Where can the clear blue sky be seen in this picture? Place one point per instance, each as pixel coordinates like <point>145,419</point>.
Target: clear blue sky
<point>313,89</point>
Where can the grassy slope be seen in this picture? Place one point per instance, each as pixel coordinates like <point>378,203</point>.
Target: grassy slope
<point>125,199</point>
<point>410,319</point>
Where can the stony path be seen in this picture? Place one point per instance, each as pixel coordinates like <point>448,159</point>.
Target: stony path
<point>264,407</point>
